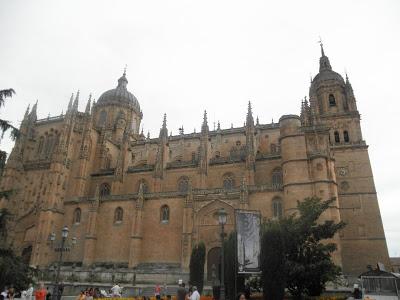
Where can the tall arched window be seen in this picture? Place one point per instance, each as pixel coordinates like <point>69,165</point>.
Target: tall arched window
<point>102,118</point>
<point>337,137</point>
<point>77,216</point>
<point>277,208</point>
<point>346,136</point>
<point>164,214</point>
<point>277,179</point>
<point>273,148</point>
<point>332,100</point>
<point>145,185</point>
<point>40,145</point>
<point>118,215</point>
<point>105,189</point>
<point>228,181</point>
<point>183,184</point>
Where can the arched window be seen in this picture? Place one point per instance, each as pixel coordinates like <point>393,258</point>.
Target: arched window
<point>183,184</point>
<point>77,216</point>
<point>102,118</point>
<point>277,208</point>
<point>277,179</point>
<point>346,136</point>
<point>164,214</point>
<point>273,148</point>
<point>145,186</point>
<point>40,145</point>
<point>217,154</point>
<point>332,100</point>
<point>118,215</point>
<point>337,137</point>
<point>105,189</point>
<point>228,181</point>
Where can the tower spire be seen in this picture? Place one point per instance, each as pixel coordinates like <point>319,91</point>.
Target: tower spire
<point>249,117</point>
<point>204,126</point>
<point>324,64</point>
<point>70,102</point>
<point>88,105</point>
<point>76,102</point>
<point>27,111</point>
<point>164,130</point>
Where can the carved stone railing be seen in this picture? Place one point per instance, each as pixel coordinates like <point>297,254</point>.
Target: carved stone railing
<point>182,164</point>
<point>226,160</point>
<point>137,169</point>
<point>104,172</point>
<point>37,165</point>
<point>50,119</point>
<point>268,156</point>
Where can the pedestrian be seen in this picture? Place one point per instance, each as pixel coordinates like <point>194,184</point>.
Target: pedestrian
<point>195,294</point>
<point>41,292</point>
<point>48,294</point>
<point>4,294</point>
<point>157,292</point>
<point>11,292</point>
<point>181,292</point>
<point>81,296</point>
<point>29,292</point>
<point>241,296</point>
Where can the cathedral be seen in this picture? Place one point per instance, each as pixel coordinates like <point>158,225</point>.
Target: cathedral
<point>135,206</point>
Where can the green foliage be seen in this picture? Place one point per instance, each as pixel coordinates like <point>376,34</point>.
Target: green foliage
<point>196,266</point>
<point>273,261</point>
<point>4,215</point>
<point>305,251</point>
<point>5,125</point>
<point>14,271</point>
<point>229,265</point>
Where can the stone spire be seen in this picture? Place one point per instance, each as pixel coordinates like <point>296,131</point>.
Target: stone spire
<point>164,130</point>
<point>70,102</point>
<point>76,102</point>
<point>88,105</point>
<point>204,126</point>
<point>249,117</point>
<point>33,114</point>
<point>27,111</point>
<point>348,84</point>
<point>324,64</point>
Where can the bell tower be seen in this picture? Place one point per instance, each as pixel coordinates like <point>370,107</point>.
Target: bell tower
<point>333,105</point>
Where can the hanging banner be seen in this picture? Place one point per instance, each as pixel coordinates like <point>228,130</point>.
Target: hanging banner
<point>248,240</point>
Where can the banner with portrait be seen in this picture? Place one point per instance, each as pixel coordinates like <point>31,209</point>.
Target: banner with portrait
<point>248,240</point>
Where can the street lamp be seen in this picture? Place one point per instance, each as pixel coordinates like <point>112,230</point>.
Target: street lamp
<point>62,248</point>
<point>222,221</point>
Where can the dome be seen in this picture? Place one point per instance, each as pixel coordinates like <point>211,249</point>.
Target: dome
<point>328,75</point>
<point>120,96</point>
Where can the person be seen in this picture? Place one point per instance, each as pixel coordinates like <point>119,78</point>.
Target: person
<point>81,296</point>
<point>357,293</point>
<point>157,292</point>
<point>41,292</point>
<point>195,294</point>
<point>116,291</point>
<point>4,294</point>
<point>181,292</point>
<point>48,294</point>
<point>11,292</point>
<point>241,296</point>
<point>29,292</point>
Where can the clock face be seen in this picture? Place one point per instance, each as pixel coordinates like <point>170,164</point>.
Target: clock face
<point>342,171</point>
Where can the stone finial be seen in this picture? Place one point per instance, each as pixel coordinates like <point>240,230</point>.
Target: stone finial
<point>88,105</point>
<point>204,126</point>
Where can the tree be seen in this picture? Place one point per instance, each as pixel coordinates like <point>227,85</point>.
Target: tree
<point>273,261</point>
<point>230,265</point>
<point>5,125</point>
<point>309,263</point>
<point>196,266</point>
<point>13,269</point>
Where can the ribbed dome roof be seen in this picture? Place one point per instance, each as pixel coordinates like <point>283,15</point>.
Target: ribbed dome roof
<point>120,96</point>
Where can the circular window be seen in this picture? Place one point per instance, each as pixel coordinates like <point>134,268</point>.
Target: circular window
<point>344,185</point>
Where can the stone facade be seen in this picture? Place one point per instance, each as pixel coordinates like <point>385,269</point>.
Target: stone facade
<point>140,203</point>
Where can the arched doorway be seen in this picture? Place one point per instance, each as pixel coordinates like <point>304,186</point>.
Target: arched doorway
<point>213,263</point>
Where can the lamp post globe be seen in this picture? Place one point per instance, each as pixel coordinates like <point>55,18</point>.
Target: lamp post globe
<point>64,232</point>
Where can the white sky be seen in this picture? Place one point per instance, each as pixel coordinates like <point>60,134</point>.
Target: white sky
<point>187,56</point>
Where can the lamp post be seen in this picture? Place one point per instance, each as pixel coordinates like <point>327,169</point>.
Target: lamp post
<point>62,248</point>
<point>222,221</point>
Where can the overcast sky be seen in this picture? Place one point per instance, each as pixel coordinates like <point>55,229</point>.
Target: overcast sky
<point>187,56</point>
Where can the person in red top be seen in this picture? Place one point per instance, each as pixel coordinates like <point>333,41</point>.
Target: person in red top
<point>157,292</point>
<point>40,293</point>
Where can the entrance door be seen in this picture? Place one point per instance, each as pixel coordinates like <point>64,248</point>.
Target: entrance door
<point>26,254</point>
<point>213,263</point>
